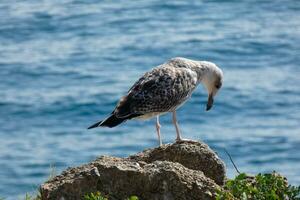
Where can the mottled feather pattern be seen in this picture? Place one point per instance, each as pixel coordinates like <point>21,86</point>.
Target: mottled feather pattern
<point>162,89</point>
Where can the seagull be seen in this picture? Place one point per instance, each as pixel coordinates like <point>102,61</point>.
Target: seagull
<point>164,89</point>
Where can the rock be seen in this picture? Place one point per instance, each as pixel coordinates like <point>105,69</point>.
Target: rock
<point>183,171</point>
<point>192,155</point>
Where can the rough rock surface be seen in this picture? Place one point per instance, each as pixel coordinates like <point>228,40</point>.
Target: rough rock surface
<point>193,155</point>
<point>183,171</point>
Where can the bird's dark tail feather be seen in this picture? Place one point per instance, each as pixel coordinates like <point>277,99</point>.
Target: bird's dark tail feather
<point>110,122</point>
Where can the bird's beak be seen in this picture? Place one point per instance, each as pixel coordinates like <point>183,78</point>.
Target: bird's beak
<point>210,102</point>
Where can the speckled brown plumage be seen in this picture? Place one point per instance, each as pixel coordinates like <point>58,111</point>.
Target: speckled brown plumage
<point>161,90</point>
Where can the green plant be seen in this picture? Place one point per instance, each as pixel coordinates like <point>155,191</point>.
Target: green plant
<point>94,196</point>
<point>53,172</point>
<point>260,187</point>
<point>29,197</point>
<point>98,196</point>
<point>133,198</point>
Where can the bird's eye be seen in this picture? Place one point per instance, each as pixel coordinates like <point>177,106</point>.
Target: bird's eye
<point>218,86</point>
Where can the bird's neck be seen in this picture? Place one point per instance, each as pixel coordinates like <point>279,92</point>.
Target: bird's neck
<point>202,70</point>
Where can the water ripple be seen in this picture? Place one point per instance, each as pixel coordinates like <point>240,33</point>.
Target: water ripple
<point>64,64</point>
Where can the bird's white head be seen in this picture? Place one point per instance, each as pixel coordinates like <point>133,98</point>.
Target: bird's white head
<point>212,79</point>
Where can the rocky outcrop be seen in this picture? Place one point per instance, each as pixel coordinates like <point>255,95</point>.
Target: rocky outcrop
<point>183,171</point>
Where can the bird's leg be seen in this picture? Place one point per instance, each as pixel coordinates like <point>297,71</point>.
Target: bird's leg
<point>179,138</point>
<point>158,130</point>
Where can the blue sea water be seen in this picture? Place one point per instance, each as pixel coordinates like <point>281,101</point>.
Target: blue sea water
<point>64,65</point>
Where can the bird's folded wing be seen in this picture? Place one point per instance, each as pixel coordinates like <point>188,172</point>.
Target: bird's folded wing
<point>157,91</point>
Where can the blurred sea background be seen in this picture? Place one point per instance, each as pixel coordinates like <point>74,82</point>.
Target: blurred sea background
<point>65,63</point>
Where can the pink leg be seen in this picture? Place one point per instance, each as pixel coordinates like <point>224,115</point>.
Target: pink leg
<point>158,130</point>
<point>178,137</point>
